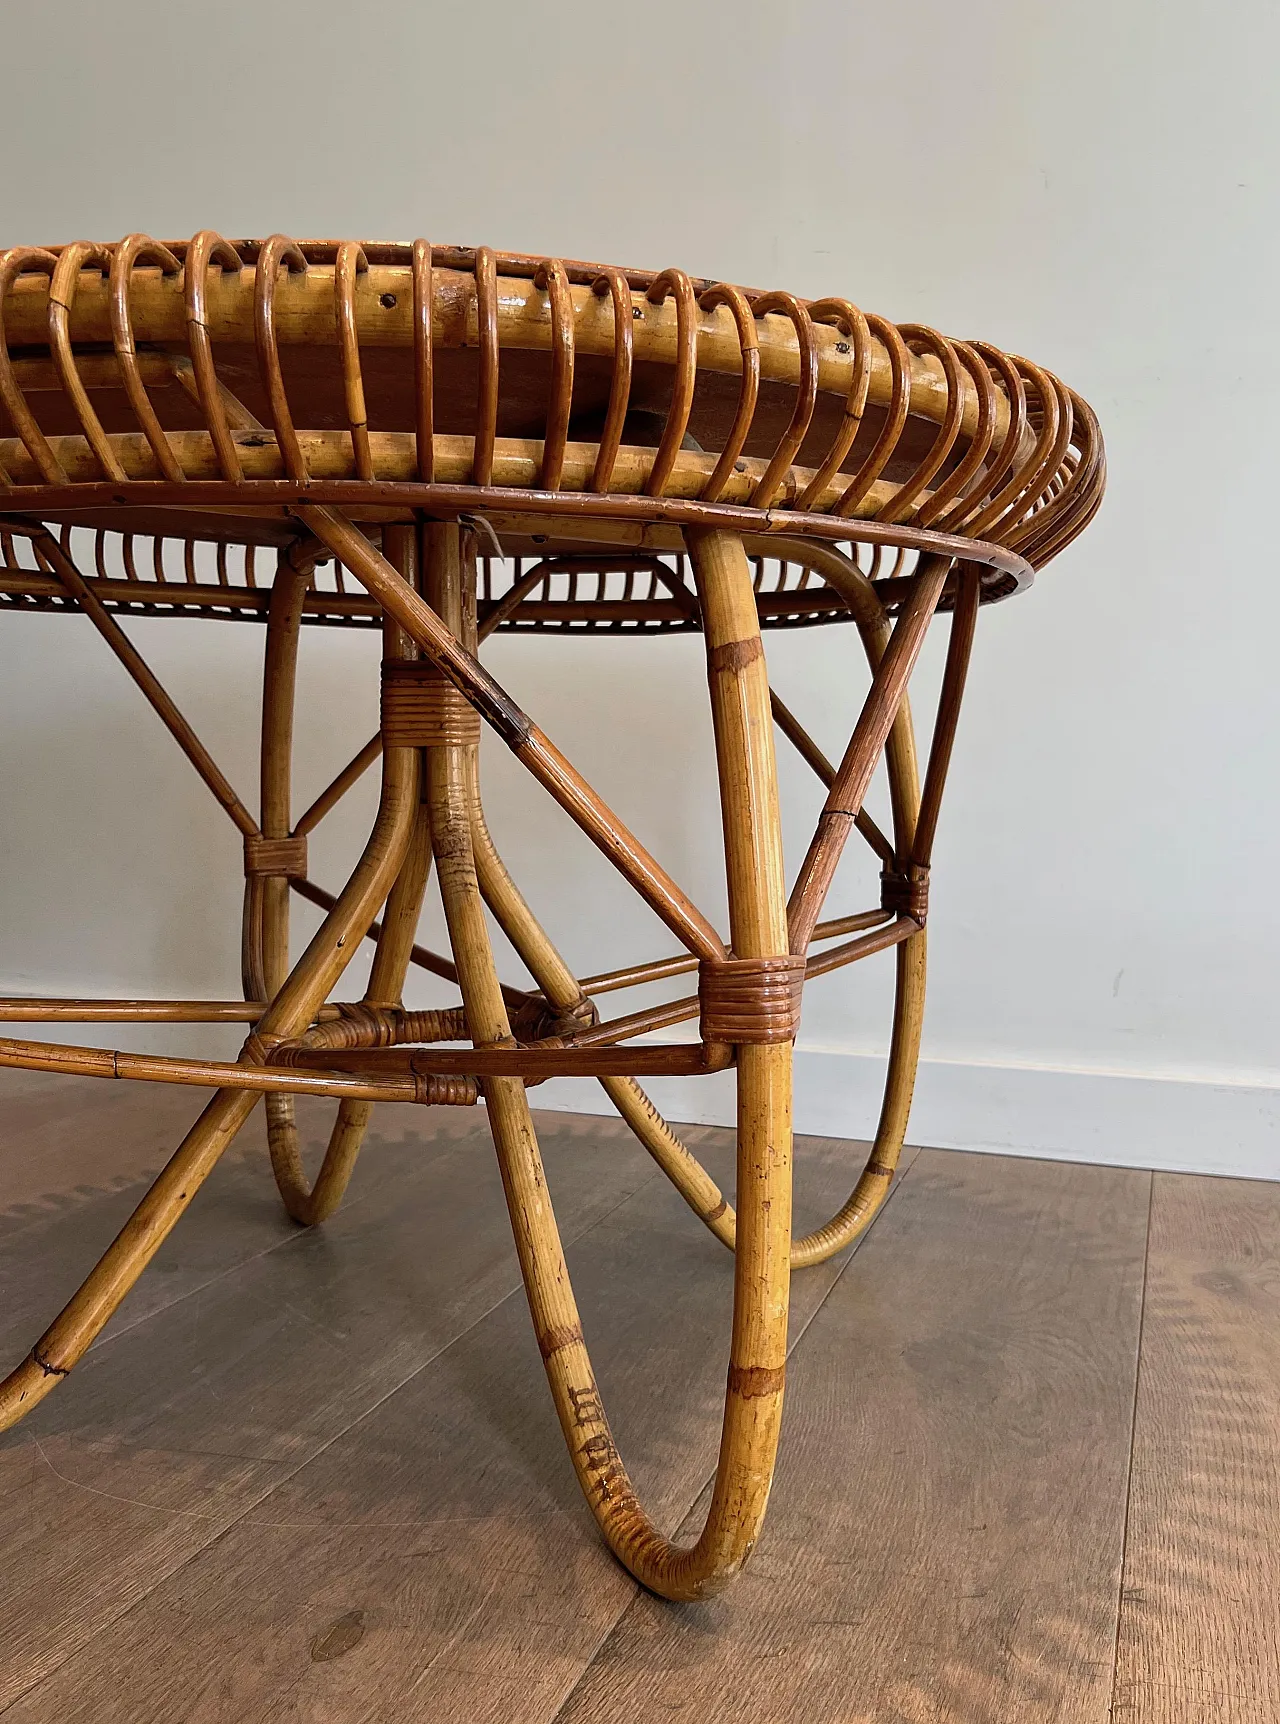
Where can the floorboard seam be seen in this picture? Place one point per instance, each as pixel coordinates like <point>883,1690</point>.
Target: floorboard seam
<point>299,1234</point>
<point>258,1502</point>
<point>221,1274</point>
<point>631,1603</point>
<point>1133,1434</point>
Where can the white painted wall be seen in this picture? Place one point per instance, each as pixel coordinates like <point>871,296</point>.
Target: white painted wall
<point>1094,186</point>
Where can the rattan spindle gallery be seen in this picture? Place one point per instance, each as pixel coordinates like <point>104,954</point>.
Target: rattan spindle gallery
<point>441,443</point>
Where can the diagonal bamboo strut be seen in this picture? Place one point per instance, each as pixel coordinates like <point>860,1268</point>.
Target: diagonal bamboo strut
<point>142,674</point>
<point>511,601</point>
<point>527,742</point>
<point>425,959</point>
<point>329,797</point>
<point>869,736</point>
<point>293,1008</point>
<point>307,1203</point>
<point>808,750</point>
<point>567,997</point>
<point>955,673</point>
<point>785,719</point>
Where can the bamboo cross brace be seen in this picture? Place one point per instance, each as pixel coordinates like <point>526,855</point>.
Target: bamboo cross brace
<point>333,793</point>
<point>87,1312</point>
<point>206,1074</point>
<point>27,1009</point>
<point>959,648</point>
<point>812,755</point>
<point>869,737</point>
<point>147,681</point>
<point>660,969</point>
<point>530,746</point>
<point>425,959</point>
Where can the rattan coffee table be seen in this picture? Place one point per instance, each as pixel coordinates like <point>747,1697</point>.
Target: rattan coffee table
<point>441,442</point>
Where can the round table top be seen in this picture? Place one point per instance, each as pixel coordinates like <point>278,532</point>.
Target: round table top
<point>197,392</point>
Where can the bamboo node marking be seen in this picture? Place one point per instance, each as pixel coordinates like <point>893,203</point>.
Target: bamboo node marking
<point>736,655</point>
<point>559,1336</point>
<point>906,891</point>
<point>279,858</point>
<point>422,709</point>
<point>750,1381</point>
<point>750,999</point>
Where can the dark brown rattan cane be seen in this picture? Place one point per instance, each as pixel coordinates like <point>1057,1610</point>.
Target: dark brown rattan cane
<point>443,443</point>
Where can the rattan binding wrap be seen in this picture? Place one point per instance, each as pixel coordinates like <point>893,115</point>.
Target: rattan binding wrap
<point>906,892</point>
<point>420,709</point>
<point>750,1000</point>
<point>280,857</point>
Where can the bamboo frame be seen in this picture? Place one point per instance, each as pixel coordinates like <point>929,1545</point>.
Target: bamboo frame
<point>949,471</point>
<point>578,1042</point>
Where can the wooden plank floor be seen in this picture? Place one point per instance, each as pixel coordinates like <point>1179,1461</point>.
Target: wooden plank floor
<point>1029,1465</point>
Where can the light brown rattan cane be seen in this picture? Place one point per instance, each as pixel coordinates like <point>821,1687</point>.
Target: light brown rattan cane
<point>442,443</point>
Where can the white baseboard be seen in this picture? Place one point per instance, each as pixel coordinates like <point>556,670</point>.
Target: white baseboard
<point>1120,1119</point>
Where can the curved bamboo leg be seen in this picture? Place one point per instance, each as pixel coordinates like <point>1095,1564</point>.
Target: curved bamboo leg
<point>563,992</point>
<point>71,1334</point>
<point>310,1204</point>
<point>690,1178</point>
<point>858,1211</point>
<point>268,934</point>
<point>757,898</point>
<point>856,1214</point>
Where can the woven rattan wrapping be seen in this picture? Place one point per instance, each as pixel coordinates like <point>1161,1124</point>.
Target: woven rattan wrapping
<point>420,709</point>
<point>751,999</point>
<point>907,893</point>
<point>286,857</point>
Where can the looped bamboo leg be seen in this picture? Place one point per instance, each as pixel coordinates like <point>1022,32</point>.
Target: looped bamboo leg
<point>267,907</point>
<point>291,1010</point>
<point>855,1215</point>
<point>757,896</point>
<point>564,994</point>
<point>915,816</point>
